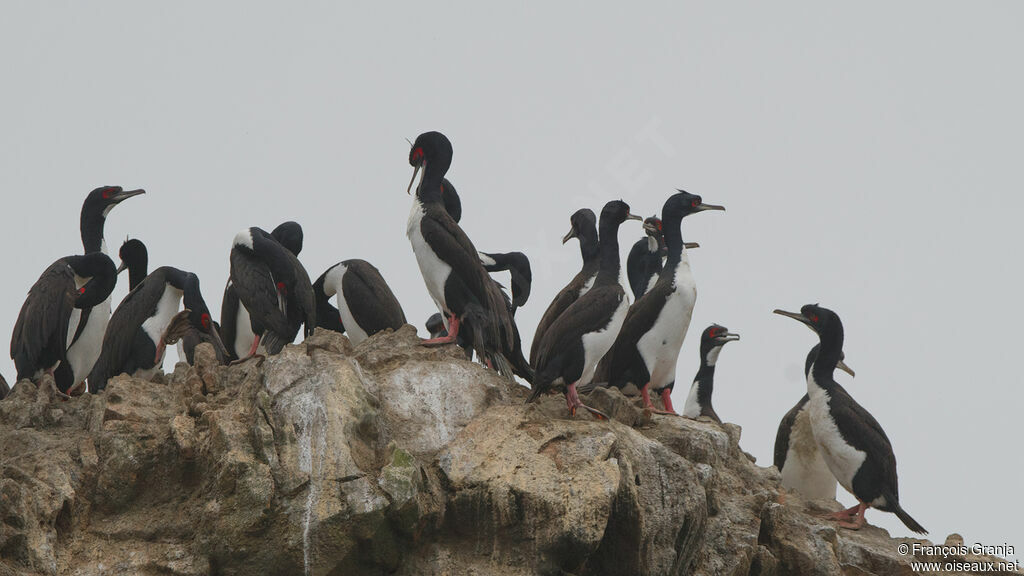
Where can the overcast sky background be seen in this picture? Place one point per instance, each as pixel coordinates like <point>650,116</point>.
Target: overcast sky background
<point>869,157</point>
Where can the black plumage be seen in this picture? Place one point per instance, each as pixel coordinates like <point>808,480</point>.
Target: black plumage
<point>366,303</point>
<point>842,428</point>
<point>136,336</point>
<point>647,348</point>
<point>581,335</point>
<point>88,325</point>
<point>134,259</point>
<point>237,328</point>
<point>450,263</point>
<point>274,287</point>
<point>584,227</point>
<point>698,403</point>
<point>643,265</point>
<point>518,266</point>
<point>39,341</point>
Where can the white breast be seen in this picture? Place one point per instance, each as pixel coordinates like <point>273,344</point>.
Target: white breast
<point>244,336</point>
<point>660,346</point>
<point>166,308</point>
<point>804,470</point>
<point>842,459</point>
<point>597,344</point>
<point>84,352</point>
<point>434,270</point>
<point>333,286</point>
<point>692,408</point>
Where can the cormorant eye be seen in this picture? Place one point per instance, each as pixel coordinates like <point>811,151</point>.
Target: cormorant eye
<point>694,203</point>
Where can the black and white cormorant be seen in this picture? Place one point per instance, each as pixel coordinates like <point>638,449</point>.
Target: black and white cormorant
<point>796,451</point>
<point>237,327</point>
<point>581,335</point>
<point>583,225</point>
<point>450,264</point>
<point>851,441</point>
<point>274,287</point>
<point>137,336</point>
<point>647,348</point>
<point>698,402</point>
<point>87,326</point>
<point>39,342</point>
<point>366,304</point>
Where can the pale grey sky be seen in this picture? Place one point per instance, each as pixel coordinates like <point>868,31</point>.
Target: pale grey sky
<point>868,156</point>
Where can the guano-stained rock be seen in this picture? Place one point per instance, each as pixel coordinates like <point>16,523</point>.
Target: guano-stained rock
<point>390,458</point>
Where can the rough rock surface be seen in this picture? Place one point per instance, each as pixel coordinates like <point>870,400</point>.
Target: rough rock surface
<point>389,458</point>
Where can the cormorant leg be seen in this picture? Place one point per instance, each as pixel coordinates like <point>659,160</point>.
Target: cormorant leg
<point>159,352</point>
<point>858,519</point>
<point>572,398</point>
<point>666,399</point>
<point>843,514</point>
<point>252,352</point>
<point>648,405</point>
<point>453,332</point>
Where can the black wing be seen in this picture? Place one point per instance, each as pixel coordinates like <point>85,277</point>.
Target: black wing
<point>302,300</point>
<point>228,318</point>
<point>40,333</point>
<point>785,428</point>
<point>257,291</point>
<point>123,329</point>
<point>451,245</point>
<point>363,283</point>
<point>623,356</point>
<point>860,429</point>
<point>561,302</point>
<point>590,313</point>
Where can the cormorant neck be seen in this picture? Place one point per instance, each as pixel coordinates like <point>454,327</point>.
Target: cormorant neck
<point>136,273</point>
<point>589,246</point>
<point>671,228</point>
<point>608,246</point>
<point>91,226</point>
<point>434,170</point>
<point>830,353</point>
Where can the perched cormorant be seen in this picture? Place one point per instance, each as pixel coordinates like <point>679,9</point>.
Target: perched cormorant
<point>236,326</point>
<point>583,225</point>
<point>366,304</point>
<point>88,325</point>
<point>698,402</point>
<point>137,335</point>
<point>851,441</point>
<point>796,451</point>
<point>581,335</point>
<point>647,348</point>
<point>455,278</point>
<point>39,342</point>
<point>274,287</point>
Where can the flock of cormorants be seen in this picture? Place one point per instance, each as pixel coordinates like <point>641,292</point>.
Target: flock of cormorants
<point>590,335</point>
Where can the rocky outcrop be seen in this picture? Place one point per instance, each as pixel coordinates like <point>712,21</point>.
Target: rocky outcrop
<point>389,458</point>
